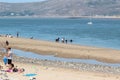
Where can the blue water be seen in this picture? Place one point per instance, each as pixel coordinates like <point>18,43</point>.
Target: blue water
<point>53,58</point>
<point>103,32</point>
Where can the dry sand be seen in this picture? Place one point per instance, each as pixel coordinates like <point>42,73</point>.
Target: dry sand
<point>64,50</point>
<point>52,73</point>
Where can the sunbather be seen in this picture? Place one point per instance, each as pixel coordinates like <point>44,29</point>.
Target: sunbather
<point>20,70</point>
<point>11,68</point>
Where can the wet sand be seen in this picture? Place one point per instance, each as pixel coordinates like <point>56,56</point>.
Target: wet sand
<point>52,70</point>
<point>60,70</point>
<point>63,50</point>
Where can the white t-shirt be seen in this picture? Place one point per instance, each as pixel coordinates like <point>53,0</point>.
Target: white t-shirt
<point>10,54</point>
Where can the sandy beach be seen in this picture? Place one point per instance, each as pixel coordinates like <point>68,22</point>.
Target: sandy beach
<point>58,70</point>
<point>45,72</point>
<point>64,50</point>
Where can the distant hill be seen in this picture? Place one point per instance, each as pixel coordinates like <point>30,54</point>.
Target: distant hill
<point>61,8</point>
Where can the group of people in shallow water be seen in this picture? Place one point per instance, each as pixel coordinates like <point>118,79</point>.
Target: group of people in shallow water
<point>11,36</point>
<point>7,59</point>
<point>63,40</point>
<point>17,35</point>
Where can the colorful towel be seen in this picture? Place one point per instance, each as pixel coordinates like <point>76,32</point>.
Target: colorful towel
<point>30,75</point>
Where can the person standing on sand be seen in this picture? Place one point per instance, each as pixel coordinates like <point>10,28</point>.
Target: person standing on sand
<point>7,43</point>
<point>9,55</point>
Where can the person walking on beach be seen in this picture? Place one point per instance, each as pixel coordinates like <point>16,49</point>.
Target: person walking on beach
<point>7,43</point>
<point>9,55</point>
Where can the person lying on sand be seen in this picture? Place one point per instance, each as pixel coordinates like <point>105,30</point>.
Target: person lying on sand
<point>20,70</point>
<point>11,68</point>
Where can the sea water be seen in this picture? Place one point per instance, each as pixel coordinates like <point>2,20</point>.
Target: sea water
<point>53,58</point>
<point>102,33</point>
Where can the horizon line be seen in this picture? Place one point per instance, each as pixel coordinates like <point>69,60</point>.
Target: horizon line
<point>21,1</point>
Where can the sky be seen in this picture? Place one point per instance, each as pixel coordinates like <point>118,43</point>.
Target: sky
<point>17,1</point>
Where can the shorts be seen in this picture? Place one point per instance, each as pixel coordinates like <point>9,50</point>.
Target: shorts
<point>9,61</point>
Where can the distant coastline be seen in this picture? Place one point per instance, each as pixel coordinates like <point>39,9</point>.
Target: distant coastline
<point>70,17</point>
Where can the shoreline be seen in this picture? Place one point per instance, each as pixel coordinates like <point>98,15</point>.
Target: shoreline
<point>70,65</point>
<point>67,17</point>
<point>64,50</point>
<point>80,66</point>
<point>55,69</point>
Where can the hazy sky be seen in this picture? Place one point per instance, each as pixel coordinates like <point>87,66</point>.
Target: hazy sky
<point>16,1</point>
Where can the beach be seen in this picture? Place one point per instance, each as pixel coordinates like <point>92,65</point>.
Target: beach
<point>64,50</point>
<point>45,73</point>
<point>57,70</point>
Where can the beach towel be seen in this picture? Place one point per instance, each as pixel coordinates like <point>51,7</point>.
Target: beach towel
<point>31,76</point>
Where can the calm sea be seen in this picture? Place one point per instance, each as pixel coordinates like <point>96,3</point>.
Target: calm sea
<point>102,33</point>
